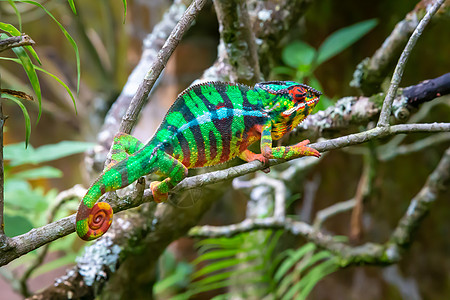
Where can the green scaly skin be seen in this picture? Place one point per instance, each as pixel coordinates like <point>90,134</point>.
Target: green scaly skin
<point>207,125</point>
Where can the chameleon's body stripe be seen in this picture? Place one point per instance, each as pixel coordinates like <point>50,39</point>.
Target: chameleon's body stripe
<point>208,124</point>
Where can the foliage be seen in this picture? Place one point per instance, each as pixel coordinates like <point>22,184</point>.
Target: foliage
<point>173,276</point>
<point>241,261</point>
<point>302,60</point>
<point>25,204</point>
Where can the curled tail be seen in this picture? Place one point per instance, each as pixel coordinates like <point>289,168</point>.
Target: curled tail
<point>93,219</point>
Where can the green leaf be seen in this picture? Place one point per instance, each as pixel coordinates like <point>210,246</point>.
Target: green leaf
<point>10,29</point>
<point>25,115</point>
<point>16,225</point>
<point>29,69</point>
<point>342,39</point>
<point>307,283</point>
<point>19,195</point>
<point>293,258</point>
<point>67,35</point>
<point>317,274</point>
<point>72,6</point>
<point>180,278</point>
<point>50,74</point>
<point>220,265</point>
<point>322,255</point>
<point>216,254</point>
<point>298,54</point>
<point>124,10</point>
<point>224,275</point>
<point>19,156</point>
<point>234,242</point>
<point>19,17</point>
<point>37,173</point>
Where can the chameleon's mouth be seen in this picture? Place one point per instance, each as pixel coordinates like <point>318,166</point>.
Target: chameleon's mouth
<point>301,106</point>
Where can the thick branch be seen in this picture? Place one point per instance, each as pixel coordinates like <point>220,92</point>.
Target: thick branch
<point>238,40</point>
<point>350,112</point>
<point>34,239</point>
<point>371,72</point>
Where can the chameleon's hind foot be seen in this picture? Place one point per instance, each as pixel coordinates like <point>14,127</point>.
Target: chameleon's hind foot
<point>158,196</point>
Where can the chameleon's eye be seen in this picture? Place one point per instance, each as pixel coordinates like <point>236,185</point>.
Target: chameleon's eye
<point>298,93</point>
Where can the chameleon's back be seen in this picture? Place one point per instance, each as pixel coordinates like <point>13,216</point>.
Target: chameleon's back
<point>205,127</point>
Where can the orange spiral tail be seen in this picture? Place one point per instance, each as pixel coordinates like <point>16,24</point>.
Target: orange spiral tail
<point>93,222</point>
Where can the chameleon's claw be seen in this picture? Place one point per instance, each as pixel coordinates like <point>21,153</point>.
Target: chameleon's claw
<point>307,151</point>
<point>158,197</point>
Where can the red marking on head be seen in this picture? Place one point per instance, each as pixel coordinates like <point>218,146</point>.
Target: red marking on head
<point>298,93</point>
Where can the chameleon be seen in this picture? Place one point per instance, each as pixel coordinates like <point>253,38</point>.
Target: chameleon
<point>208,124</point>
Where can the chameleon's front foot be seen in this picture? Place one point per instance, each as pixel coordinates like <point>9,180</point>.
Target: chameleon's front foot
<point>158,196</point>
<point>305,150</point>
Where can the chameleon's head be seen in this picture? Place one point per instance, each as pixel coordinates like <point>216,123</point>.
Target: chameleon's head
<point>289,99</point>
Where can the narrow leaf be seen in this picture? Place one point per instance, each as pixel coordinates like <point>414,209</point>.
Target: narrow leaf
<point>289,262</point>
<point>342,39</point>
<point>19,17</point>
<point>50,74</point>
<point>216,254</point>
<point>220,265</point>
<point>72,6</point>
<point>25,115</point>
<point>31,73</point>
<point>124,10</point>
<point>68,37</point>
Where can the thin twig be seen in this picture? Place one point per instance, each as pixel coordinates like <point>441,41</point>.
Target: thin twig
<point>398,72</point>
<point>332,210</point>
<point>390,152</point>
<point>369,253</point>
<point>16,41</point>
<point>139,99</point>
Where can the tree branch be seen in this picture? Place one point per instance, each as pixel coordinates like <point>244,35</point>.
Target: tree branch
<point>16,41</point>
<point>369,253</point>
<point>371,72</point>
<point>350,112</point>
<point>398,72</point>
<point>38,237</point>
<point>140,98</point>
<point>238,40</point>
<point>151,46</point>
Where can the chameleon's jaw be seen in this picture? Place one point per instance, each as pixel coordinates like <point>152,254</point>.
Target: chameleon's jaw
<point>301,106</point>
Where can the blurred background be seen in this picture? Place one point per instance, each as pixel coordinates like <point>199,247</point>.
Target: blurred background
<point>109,49</point>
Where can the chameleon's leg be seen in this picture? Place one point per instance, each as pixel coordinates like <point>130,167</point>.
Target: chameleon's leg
<point>249,156</point>
<point>124,145</point>
<point>284,152</point>
<point>93,219</point>
<point>174,170</point>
